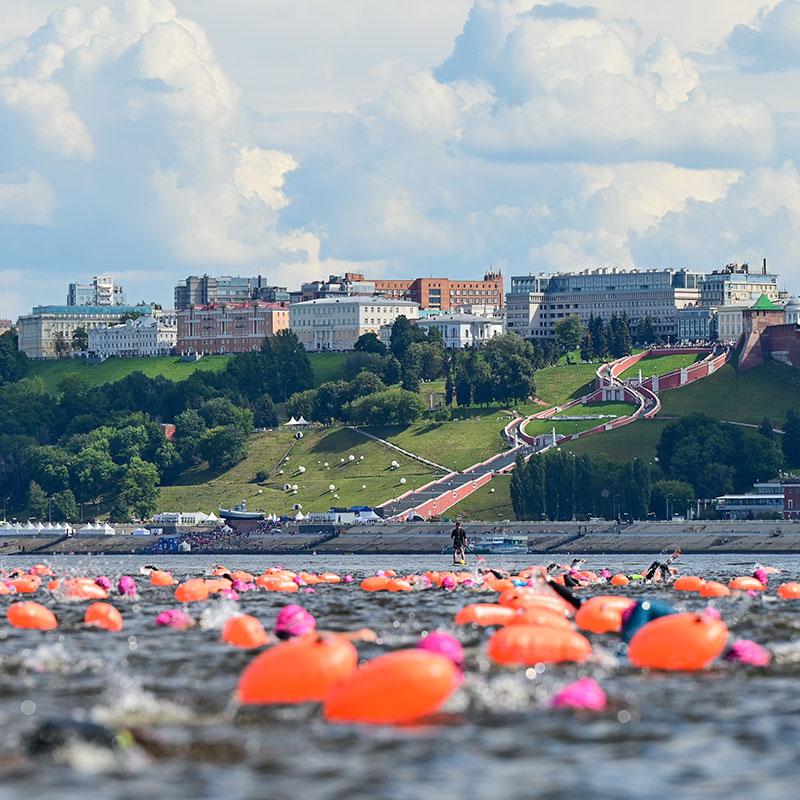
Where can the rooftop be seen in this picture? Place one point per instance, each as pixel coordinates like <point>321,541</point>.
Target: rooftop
<point>362,301</point>
<point>765,304</point>
<point>116,311</point>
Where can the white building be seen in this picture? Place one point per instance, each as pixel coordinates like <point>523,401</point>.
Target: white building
<point>335,323</point>
<point>537,302</point>
<point>793,311</point>
<point>145,336</point>
<point>47,328</point>
<point>102,291</point>
<point>190,518</point>
<point>462,330</point>
<point>729,322</point>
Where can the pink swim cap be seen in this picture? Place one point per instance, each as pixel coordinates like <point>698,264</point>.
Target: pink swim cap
<point>103,582</point>
<point>293,620</point>
<point>242,586</point>
<point>347,579</point>
<point>761,575</point>
<point>444,644</point>
<point>747,652</point>
<point>585,694</point>
<point>449,583</point>
<point>174,618</point>
<point>126,585</point>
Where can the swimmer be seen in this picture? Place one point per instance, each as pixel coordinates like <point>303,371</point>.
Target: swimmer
<point>662,570</point>
<point>294,621</point>
<point>459,537</point>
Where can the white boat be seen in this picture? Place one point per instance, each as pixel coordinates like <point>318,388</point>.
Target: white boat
<point>506,544</point>
<point>240,512</point>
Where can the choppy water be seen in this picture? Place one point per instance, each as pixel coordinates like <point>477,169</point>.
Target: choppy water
<point>730,732</point>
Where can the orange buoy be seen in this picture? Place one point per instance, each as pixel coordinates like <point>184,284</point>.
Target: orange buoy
<point>377,583</point>
<point>5,589</point>
<point>277,583</point>
<point>244,631</point>
<point>394,688</point>
<point>499,584</point>
<point>160,578</point>
<point>42,570</point>
<point>534,644</point>
<point>534,615</point>
<point>686,642</point>
<point>244,577</point>
<point>299,671</point>
<point>54,585</point>
<point>789,591</point>
<point>330,577</point>
<point>398,585</point>
<point>192,591</point>
<point>620,580</point>
<point>82,589</point>
<point>714,589</point>
<point>31,615</point>
<point>215,585</point>
<point>485,614</point>
<point>745,583</point>
<point>603,613</point>
<point>688,583</point>
<point>26,584</point>
<point>103,615</point>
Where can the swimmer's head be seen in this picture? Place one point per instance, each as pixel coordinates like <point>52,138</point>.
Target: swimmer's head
<point>444,644</point>
<point>292,621</point>
<point>761,575</point>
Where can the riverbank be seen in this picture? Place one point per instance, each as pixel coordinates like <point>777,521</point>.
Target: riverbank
<point>719,536</point>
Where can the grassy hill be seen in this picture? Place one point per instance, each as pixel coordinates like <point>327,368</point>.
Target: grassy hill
<point>490,503</point>
<point>326,367</point>
<point>661,365</point>
<point>202,490</point>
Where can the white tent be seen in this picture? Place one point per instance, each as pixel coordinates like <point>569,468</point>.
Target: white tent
<point>299,516</point>
<point>88,528</point>
<point>140,532</point>
<point>292,422</point>
<point>106,530</point>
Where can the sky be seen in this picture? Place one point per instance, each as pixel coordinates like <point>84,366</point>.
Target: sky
<point>153,139</point>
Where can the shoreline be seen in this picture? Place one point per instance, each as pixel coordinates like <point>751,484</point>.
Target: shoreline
<point>700,537</point>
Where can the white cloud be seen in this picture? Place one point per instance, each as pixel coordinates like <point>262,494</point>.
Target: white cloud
<point>25,199</point>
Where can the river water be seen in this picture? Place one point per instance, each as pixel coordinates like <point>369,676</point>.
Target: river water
<point>730,732</point>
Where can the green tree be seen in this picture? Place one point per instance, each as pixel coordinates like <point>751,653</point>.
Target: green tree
<point>791,438</point>
<point>138,488</point>
<point>679,494</point>
<point>517,488</point>
<point>587,347</point>
<point>765,429</point>
<point>301,404</point>
<point>449,390</point>
<point>402,337</point>
<point>224,446</point>
<point>91,474</point>
<point>535,502</point>
<point>645,332</point>
<point>64,507</point>
<point>190,428</point>
<point>264,414</point>
<point>389,407</point>
<point>14,365</point>
<point>80,339</point>
<point>37,501</point>
<point>222,412</point>
<point>290,365</point>
<point>569,332</point>
<point>463,388</point>
<point>369,343</point>
<point>597,330</point>
<point>60,345</point>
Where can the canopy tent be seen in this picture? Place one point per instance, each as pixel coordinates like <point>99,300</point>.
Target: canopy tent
<point>140,532</point>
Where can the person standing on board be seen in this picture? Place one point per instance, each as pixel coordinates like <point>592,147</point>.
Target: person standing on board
<point>459,537</point>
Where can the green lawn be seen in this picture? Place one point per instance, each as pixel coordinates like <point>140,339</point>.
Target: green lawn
<point>555,385</point>
<point>661,365</point>
<point>201,491</point>
<point>770,390</point>
<point>457,444</point>
<point>327,366</point>
<point>637,440</point>
<point>490,503</point>
<point>607,409</point>
<point>114,369</point>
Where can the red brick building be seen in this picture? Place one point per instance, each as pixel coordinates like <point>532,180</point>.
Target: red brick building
<point>229,328</point>
<point>758,325</point>
<point>443,293</point>
<point>791,500</point>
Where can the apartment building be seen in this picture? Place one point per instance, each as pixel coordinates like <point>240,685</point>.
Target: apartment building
<point>231,289</point>
<point>229,327</point>
<point>736,285</point>
<point>335,323</point>
<point>145,336</point>
<point>102,291</point>
<point>537,302</point>
<point>41,331</point>
<point>444,294</point>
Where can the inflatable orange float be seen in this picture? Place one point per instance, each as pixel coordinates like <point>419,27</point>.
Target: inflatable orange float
<point>377,583</point>
<point>192,591</point>
<point>103,615</point>
<point>395,688</point>
<point>160,578</point>
<point>398,585</point>
<point>686,642</point>
<point>25,584</point>
<point>602,614</point>
<point>244,631</point>
<point>744,583</point>
<point>789,591</point>
<point>534,644</point>
<point>714,589</point>
<point>534,615</point>
<point>485,614</point>
<point>31,615</point>
<point>82,589</point>
<point>620,580</point>
<point>299,671</point>
<point>688,583</point>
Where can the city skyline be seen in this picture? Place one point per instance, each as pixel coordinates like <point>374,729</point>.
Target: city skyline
<point>161,139</point>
